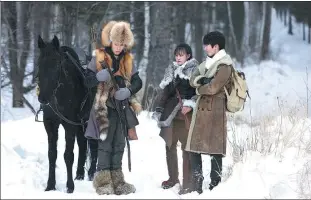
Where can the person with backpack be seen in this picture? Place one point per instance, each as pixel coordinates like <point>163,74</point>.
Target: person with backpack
<point>208,129</point>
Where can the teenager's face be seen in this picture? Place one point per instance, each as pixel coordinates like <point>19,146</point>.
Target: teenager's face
<point>181,58</point>
<point>211,51</point>
<point>117,48</point>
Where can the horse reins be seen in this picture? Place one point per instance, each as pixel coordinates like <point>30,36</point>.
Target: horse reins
<point>56,110</point>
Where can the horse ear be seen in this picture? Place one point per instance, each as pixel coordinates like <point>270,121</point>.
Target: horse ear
<point>41,43</point>
<point>55,42</point>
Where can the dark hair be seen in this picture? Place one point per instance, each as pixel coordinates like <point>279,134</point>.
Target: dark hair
<point>214,38</point>
<point>183,48</point>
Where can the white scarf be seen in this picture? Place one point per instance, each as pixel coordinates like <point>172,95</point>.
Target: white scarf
<point>209,63</point>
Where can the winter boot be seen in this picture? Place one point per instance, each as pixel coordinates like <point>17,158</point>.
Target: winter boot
<point>103,183</point>
<point>214,183</point>
<point>172,167</point>
<point>119,184</point>
<point>187,185</point>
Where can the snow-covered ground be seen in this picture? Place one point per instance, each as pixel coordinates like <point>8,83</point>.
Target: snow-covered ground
<point>269,144</point>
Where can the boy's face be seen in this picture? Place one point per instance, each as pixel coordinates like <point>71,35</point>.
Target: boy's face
<point>181,57</point>
<point>211,51</point>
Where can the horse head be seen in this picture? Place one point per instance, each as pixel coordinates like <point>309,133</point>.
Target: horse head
<point>49,68</point>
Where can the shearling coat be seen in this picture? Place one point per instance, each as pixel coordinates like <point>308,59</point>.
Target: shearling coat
<point>175,78</point>
<point>208,129</point>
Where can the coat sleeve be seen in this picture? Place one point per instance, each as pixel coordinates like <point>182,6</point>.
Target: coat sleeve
<point>136,82</point>
<point>92,64</point>
<point>161,98</point>
<point>195,76</point>
<point>217,83</point>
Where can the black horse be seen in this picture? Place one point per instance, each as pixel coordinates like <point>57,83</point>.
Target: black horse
<point>65,100</point>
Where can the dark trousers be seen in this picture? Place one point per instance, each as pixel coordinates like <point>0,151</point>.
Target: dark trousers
<point>216,166</point>
<point>111,150</point>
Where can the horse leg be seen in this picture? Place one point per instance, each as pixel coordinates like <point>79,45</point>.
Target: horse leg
<point>51,128</point>
<point>93,144</point>
<point>69,156</point>
<point>82,143</point>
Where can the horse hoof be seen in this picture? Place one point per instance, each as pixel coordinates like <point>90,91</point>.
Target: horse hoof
<point>79,177</point>
<point>50,188</point>
<point>91,177</point>
<point>69,190</point>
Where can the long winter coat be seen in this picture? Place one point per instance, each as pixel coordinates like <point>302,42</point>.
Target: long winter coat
<point>175,78</point>
<point>99,122</point>
<point>208,129</point>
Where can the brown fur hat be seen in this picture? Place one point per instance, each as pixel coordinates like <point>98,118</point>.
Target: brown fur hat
<point>118,32</point>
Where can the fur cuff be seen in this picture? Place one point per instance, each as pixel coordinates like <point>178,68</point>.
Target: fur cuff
<point>189,103</point>
<point>195,81</point>
<point>164,83</point>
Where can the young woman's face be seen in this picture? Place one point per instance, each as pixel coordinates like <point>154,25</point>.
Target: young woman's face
<point>117,48</point>
<point>181,58</point>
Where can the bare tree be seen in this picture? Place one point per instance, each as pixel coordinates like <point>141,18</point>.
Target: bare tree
<point>159,46</point>
<point>18,63</point>
<point>266,32</point>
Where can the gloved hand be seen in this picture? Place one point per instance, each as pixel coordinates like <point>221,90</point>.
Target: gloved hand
<point>157,114</point>
<point>204,80</point>
<point>122,93</point>
<point>103,75</point>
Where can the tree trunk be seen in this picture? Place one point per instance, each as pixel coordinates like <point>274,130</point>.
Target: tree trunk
<point>138,30</point>
<point>179,28</point>
<point>67,16</point>
<point>144,61</point>
<point>11,17</point>
<point>309,35</point>
<point>303,31</point>
<point>266,34</point>
<point>37,13</point>
<point>235,43</point>
<point>285,16</point>
<point>198,34</point>
<point>290,25</point>
<point>246,32</point>
<point>159,45</point>
<point>46,20</point>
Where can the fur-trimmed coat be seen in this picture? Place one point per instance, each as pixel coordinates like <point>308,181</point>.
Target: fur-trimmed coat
<point>99,122</point>
<point>175,78</point>
<point>208,129</point>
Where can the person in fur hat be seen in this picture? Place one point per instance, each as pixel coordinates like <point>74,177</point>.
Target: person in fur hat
<point>174,106</point>
<point>104,123</point>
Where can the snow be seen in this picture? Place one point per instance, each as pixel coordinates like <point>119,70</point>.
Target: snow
<point>268,149</point>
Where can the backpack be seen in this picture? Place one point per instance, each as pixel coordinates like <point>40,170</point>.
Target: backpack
<point>239,92</point>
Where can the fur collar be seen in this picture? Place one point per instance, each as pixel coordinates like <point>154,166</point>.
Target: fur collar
<point>183,71</point>
<point>210,65</point>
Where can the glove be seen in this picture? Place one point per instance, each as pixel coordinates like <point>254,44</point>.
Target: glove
<point>157,113</point>
<point>204,80</point>
<point>103,75</point>
<point>122,93</point>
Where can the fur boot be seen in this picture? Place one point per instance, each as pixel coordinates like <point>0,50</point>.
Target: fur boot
<point>119,184</point>
<point>103,183</point>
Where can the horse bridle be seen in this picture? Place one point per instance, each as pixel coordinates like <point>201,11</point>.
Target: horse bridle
<point>54,99</point>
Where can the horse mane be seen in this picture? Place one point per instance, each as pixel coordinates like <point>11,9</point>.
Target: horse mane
<point>76,57</point>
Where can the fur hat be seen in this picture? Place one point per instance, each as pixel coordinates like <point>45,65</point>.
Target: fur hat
<point>117,32</point>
